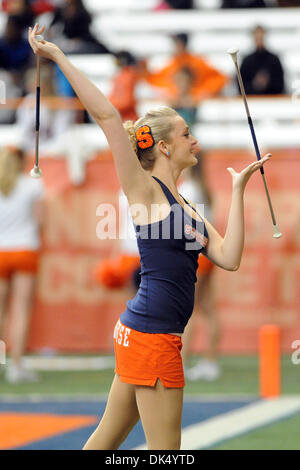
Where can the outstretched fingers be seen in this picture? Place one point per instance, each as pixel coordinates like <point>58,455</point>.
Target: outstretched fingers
<point>256,165</point>
<point>265,158</point>
<point>32,33</point>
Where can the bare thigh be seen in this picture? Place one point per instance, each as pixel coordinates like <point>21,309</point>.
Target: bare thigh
<point>4,289</point>
<point>160,410</point>
<point>22,292</point>
<point>120,416</point>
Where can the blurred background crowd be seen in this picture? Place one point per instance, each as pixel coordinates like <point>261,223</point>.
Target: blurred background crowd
<point>173,71</point>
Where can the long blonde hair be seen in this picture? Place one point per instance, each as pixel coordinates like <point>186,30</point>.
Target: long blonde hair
<point>10,168</point>
<point>160,122</point>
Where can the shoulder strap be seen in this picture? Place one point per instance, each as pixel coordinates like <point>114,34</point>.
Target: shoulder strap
<point>191,205</point>
<point>167,192</point>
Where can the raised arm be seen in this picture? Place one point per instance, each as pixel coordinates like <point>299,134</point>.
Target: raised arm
<point>133,178</point>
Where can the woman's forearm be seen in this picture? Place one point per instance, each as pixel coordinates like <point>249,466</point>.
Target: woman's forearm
<point>227,252</point>
<point>233,242</point>
<point>94,101</point>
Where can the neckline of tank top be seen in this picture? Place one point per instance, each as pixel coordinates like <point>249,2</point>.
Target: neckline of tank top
<point>176,202</point>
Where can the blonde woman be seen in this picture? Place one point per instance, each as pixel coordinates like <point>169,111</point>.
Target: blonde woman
<point>149,157</point>
<point>20,217</point>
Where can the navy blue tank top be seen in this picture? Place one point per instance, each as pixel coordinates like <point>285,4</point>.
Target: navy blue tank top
<point>169,251</point>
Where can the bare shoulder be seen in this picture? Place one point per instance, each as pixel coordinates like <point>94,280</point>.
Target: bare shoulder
<point>142,191</point>
<point>148,203</point>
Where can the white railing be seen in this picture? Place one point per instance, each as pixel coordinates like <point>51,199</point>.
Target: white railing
<point>193,21</point>
<point>221,123</point>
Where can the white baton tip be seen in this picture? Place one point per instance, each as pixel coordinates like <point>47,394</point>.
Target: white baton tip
<point>277,233</point>
<point>36,172</point>
<point>233,51</point>
<point>39,37</point>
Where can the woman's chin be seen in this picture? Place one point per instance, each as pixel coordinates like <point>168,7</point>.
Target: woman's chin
<point>194,160</point>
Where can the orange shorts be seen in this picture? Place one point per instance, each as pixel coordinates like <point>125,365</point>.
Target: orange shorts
<point>142,358</point>
<point>204,265</point>
<point>26,261</point>
<point>115,273</point>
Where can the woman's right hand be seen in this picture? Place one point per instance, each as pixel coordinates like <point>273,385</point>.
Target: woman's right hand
<point>240,179</point>
<point>42,48</point>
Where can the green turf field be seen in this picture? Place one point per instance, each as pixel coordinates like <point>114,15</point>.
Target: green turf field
<point>283,435</point>
<point>239,376</point>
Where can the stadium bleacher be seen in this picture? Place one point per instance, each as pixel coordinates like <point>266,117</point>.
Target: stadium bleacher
<point>221,121</point>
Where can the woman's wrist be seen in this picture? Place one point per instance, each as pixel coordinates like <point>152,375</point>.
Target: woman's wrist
<point>238,189</point>
<point>58,56</point>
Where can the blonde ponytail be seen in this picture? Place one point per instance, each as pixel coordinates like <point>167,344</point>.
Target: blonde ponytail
<point>161,123</point>
<point>130,129</point>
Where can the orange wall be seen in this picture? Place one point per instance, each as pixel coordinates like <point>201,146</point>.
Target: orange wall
<point>72,313</point>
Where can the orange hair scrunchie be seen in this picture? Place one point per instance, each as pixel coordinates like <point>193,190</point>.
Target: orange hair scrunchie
<point>144,137</point>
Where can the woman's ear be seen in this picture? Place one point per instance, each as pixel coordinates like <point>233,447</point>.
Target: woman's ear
<point>163,148</point>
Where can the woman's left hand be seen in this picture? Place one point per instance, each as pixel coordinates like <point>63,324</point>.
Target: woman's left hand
<point>239,180</point>
<point>42,48</point>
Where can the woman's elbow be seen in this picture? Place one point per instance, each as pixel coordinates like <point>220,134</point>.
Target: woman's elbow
<point>227,266</point>
<point>101,117</point>
<point>233,268</point>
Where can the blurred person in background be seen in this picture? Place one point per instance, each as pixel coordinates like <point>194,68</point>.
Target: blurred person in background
<point>39,7</point>
<point>122,268</point>
<point>15,58</point>
<point>22,9</point>
<point>194,188</point>
<point>71,29</point>
<point>207,80</point>
<point>15,54</point>
<point>262,71</point>
<point>122,94</point>
<point>243,4</point>
<point>184,102</point>
<point>53,122</point>
<point>58,135</point>
<point>21,212</point>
